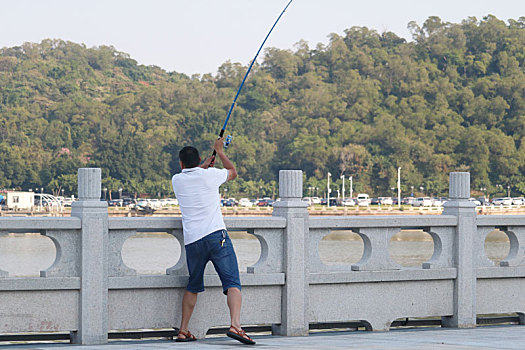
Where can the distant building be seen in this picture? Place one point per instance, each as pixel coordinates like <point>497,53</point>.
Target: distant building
<point>18,200</point>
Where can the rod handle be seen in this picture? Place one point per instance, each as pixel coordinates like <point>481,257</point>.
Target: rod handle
<point>220,135</point>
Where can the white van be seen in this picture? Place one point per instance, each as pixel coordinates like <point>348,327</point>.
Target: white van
<point>363,200</point>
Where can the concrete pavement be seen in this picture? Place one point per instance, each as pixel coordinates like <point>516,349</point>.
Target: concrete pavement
<point>488,337</point>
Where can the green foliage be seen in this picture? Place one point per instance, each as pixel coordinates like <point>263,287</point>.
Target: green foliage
<point>363,105</point>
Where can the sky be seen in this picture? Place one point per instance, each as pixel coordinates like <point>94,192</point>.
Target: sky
<point>197,36</point>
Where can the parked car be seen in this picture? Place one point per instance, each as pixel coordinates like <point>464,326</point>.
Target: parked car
<point>502,201</point>
<point>316,200</point>
<point>349,202</point>
<point>422,202</point>
<point>386,200</point>
<point>233,200</point>
<point>375,201</point>
<point>265,203</point>
<point>307,200</point>
<point>407,200</point>
<point>129,201</point>
<point>114,203</point>
<point>154,203</point>
<point>143,203</point>
<point>518,201</point>
<point>475,201</point>
<point>439,201</point>
<point>168,201</point>
<point>67,202</point>
<point>245,202</point>
<point>363,199</point>
<point>484,201</point>
<point>227,203</point>
<point>333,201</point>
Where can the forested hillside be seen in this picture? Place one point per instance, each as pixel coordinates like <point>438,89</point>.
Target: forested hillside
<point>453,99</point>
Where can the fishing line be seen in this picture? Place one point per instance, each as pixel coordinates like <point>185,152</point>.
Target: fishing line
<point>221,133</point>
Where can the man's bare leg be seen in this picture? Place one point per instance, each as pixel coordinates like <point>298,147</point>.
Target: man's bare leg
<point>234,303</point>
<point>188,304</point>
<point>234,300</point>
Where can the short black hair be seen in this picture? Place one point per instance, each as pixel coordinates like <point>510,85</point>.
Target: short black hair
<point>189,156</point>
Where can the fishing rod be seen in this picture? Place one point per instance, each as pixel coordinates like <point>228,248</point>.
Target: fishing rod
<point>221,133</point>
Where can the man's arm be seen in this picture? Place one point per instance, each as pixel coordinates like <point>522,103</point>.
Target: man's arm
<point>208,162</point>
<point>218,146</point>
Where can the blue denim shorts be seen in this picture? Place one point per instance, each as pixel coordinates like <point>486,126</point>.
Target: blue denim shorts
<point>209,248</point>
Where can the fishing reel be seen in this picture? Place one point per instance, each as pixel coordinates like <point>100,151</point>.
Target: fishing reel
<point>227,141</point>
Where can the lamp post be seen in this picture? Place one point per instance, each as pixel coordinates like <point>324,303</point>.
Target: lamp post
<point>399,187</point>
<point>483,190</point>
<point>343,177</point>
<point>105,192</point>
<point>411,191</point>
<point>328,190</point>
<point>316,191</point>
<point>421,188</point>
<point>351,187</point>
<point>62,192</point>
<point>120,193</point>
<point>508,191</point>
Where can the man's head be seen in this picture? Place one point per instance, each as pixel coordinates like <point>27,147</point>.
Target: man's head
<point>189,157</point>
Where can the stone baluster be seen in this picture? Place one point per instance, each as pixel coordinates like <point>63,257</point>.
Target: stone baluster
<point>516,255</point>
<point>67,262</point>
<point>116,266</point>
<point>271,242</point>
<point>443,238</point>
<point>180,268</point>
<point>464,308</point>
<point>294,314</point>
<point>375,253</point>
<point>93,313</point>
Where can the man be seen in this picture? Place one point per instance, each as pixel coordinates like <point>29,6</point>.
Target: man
<point>205,235</point>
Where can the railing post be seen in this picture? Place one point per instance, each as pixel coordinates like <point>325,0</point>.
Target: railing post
<point>294,309</point>
<point>93,313</point>
<point>464,304</point>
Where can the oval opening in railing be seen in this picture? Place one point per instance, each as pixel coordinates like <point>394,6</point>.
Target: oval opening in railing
<point>341,247</point>
<point>411,248</point>
<point>26,254</point>
<point>151,252</point>
<point>247,248</point>
<point>497,246</point>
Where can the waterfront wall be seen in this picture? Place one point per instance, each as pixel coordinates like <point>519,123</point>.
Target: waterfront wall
<point>89,290</point>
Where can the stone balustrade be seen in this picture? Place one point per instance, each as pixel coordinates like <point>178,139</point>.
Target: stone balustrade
<point>89,290</point>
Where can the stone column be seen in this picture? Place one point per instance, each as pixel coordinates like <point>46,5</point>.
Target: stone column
<point>294,314</point>
<point>464,242</point>
<point>93,313</point>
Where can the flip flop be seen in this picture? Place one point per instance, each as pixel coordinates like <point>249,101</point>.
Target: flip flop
<point>240,335</point>
<point>187,336</point>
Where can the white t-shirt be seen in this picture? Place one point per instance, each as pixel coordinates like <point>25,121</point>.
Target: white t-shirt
<point>197,191</point>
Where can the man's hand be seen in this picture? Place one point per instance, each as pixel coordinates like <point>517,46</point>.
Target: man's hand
<point>209,162</point>
<point>218,145</point>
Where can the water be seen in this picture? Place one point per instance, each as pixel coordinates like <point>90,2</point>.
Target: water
<point>152,253</point>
